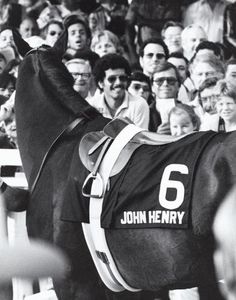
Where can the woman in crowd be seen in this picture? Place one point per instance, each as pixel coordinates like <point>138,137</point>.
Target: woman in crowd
<point>225,120</point>
<point>226,104</point>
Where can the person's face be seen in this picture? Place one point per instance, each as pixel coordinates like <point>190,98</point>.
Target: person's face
<point>181,66</point>
<point>27,29</point>
<point>165,84</point>
<point>180,124</point>
<point>153,55</point>
<point>81,73</point>
<point>209,99</point>
<point>6,38</point>
<point>172,38</point>
<point>104,46</point>
<point>8,90</point>
<point>191,40</point>
<point>201,72</point>
<point>53,33</point>
<point>114,84</point>
<point>2,64</point>
<point>230,74</point>
<point>139,88</point>
<point>226,108</point>
<point>77,37</point>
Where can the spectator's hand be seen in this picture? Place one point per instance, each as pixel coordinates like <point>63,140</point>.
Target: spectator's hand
<point>164,128</point>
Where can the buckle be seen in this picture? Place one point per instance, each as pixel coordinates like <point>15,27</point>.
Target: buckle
<point>89,181</point>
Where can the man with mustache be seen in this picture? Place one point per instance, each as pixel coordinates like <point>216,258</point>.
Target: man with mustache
<point>111,74</point>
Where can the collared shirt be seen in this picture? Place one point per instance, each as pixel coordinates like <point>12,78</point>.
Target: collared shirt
<point>133,107</point>
<point>210,20</point>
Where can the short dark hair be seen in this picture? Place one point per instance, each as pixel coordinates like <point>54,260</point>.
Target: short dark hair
<point>167,66</point>
<point>210,46</point>
<point>157,41</point>
<point>110,61</point>
<point>75,19</point>
<point>140,76</point>
<point>87,54</point>
<point>178,55</point>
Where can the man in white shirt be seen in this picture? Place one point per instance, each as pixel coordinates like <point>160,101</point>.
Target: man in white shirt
<point>111,74</point>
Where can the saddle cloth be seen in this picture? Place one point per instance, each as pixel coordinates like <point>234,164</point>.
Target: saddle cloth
<point>151,183</point>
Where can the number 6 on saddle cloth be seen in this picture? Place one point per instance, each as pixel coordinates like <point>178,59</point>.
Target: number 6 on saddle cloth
<point>107,164</point>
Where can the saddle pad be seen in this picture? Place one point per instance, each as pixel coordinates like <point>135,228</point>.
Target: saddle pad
<point>155,187</point>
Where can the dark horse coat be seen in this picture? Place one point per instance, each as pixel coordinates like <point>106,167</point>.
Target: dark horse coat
<point>150,259</point>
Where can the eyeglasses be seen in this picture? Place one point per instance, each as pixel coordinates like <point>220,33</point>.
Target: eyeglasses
<point>159,56</point>
<point>169,80</point>
<point>83,75</point>
<point>137,87</point>
<point>111,79</point>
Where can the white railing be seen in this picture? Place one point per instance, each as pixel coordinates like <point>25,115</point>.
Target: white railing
<point>13,228</point>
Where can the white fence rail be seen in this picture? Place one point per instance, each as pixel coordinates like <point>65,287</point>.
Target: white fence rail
<point>13,228</point>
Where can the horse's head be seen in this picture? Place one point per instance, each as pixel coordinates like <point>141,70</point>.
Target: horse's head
<point>45,101</point>
<point>43,75</point>
<point>44,60</point>
<point>24,48</point>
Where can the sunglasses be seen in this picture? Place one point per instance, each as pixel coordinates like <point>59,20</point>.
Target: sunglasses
<point>113,78</point>
<point>138,87</point>
<point>159,56</point>
<point>169,80</point>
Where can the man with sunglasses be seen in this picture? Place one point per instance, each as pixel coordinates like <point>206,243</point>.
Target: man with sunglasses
<point>152,53</point>
<point>111,74</point>
<point>166,83</point>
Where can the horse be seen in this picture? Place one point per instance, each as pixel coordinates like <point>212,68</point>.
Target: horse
<point>152,258</point>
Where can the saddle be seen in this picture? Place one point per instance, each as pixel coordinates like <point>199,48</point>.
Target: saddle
<point>105,154</point>
<point>93,146</point>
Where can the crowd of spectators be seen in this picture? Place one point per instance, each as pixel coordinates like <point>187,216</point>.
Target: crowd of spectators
<point>169,66</point>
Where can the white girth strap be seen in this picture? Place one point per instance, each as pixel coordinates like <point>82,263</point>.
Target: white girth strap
<point>94,234</point>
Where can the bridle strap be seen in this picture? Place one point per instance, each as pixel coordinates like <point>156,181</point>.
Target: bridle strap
<point>67,130</point>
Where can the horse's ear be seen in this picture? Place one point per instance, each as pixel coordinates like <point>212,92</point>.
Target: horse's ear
<point>22,46</point>
<point>61,44</point>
